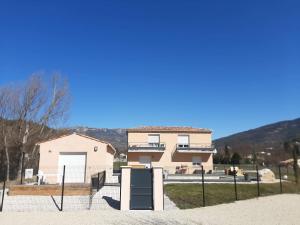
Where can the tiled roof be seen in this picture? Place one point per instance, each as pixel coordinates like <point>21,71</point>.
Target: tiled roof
<point>169,129</point>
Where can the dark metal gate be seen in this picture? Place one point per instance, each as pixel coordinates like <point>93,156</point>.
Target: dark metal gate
<point>141,189</point>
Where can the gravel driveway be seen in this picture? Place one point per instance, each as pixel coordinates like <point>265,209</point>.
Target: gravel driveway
<point>272,210</point>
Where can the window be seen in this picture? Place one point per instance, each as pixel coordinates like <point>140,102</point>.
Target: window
<point>153,140</point>
<point>197,161</point>
<point>183,141</point>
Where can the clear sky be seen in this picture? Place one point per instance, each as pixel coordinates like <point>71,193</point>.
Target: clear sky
<point>225,65</point>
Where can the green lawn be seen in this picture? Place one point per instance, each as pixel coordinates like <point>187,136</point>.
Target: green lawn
<point>117,165</point>
<point>187,196</point>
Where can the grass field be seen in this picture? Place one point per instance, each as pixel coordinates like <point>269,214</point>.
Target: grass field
<point>187,196</point>
<point>117,165</point>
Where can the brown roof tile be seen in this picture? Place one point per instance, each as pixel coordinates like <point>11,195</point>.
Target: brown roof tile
<point>169,129</point>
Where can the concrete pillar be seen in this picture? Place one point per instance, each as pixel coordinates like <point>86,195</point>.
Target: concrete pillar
<point>158,193</point>
<point>125,188</point>
<point>158,189</point>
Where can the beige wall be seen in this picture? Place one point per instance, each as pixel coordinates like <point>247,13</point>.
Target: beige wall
<point>158,189</point>
<point>164,159</point>
<point>95,161</point>
<point>125,188</point>
<point>170,138</point>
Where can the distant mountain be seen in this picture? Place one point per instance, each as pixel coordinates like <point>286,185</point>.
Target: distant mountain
<point>266,138</point>
<point>117,137</point>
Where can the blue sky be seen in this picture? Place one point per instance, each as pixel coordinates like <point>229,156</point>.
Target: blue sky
<point>225,65</point>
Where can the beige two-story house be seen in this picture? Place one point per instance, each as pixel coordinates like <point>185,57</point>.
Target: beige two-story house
<point>177,149</point>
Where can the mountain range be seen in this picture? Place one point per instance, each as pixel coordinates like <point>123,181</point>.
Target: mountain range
<point>117,137</point>
<point>266,138</point>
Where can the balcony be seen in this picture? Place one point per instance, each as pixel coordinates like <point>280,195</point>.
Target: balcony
<point>146,147</point>
<point>195,148</point>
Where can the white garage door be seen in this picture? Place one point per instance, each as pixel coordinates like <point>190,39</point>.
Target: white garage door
<point>75,167</point>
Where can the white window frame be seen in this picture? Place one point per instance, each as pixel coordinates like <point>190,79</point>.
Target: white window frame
<point>183,144</point>
<point>153,143</point>
<point>197,161</point>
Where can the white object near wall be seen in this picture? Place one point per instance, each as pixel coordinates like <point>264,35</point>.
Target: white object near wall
<point>28,173</point>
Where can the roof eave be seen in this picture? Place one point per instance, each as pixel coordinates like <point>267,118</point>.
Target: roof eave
<point>82,135</point>
<point>168,131</point>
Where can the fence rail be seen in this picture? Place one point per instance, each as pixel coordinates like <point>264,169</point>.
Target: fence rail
<point>145,146</point>
<point>61,189</point>
<point>200,190</point>
<point>95,193</point>
<point>98,180</point>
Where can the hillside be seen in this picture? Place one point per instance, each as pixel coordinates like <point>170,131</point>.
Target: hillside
<point>117,137</point>
<point>270,137</point>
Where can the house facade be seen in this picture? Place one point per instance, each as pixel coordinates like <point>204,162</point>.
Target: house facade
<point>176,149</point>
<point>82,156</point>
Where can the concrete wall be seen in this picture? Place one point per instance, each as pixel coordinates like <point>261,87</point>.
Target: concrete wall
<point>96,162</point>
<point>164,159</point>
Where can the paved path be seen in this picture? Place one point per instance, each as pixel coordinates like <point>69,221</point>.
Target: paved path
<point>272,210</point>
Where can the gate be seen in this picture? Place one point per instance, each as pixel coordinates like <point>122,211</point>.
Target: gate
<point>141,191</point>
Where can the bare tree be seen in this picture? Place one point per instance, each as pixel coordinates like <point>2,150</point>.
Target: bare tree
<point>5,113</point>
<point>34,107</point>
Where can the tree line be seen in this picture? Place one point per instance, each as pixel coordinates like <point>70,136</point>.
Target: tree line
<point>225,157</point>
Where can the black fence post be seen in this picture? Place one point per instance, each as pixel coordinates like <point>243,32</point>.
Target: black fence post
<point>3,194</point>
<point>62,190</point>
<point>234,179</point>
<point>257,179</point>
<point>22,166</point>
<point>279,169</point>
<point>98,182</point>
<point>203,193</point>
<point>104,177</point>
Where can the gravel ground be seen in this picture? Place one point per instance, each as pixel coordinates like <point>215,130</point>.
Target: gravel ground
<point>272,210</point>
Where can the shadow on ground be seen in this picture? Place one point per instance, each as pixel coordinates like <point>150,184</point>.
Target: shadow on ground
<point>112,202</point>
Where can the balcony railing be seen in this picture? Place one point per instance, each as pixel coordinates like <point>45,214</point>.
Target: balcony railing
<point>195,147</point>
<point>144,146</point>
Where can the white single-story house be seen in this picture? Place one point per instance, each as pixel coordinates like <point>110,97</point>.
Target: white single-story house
<point>82,156</point>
